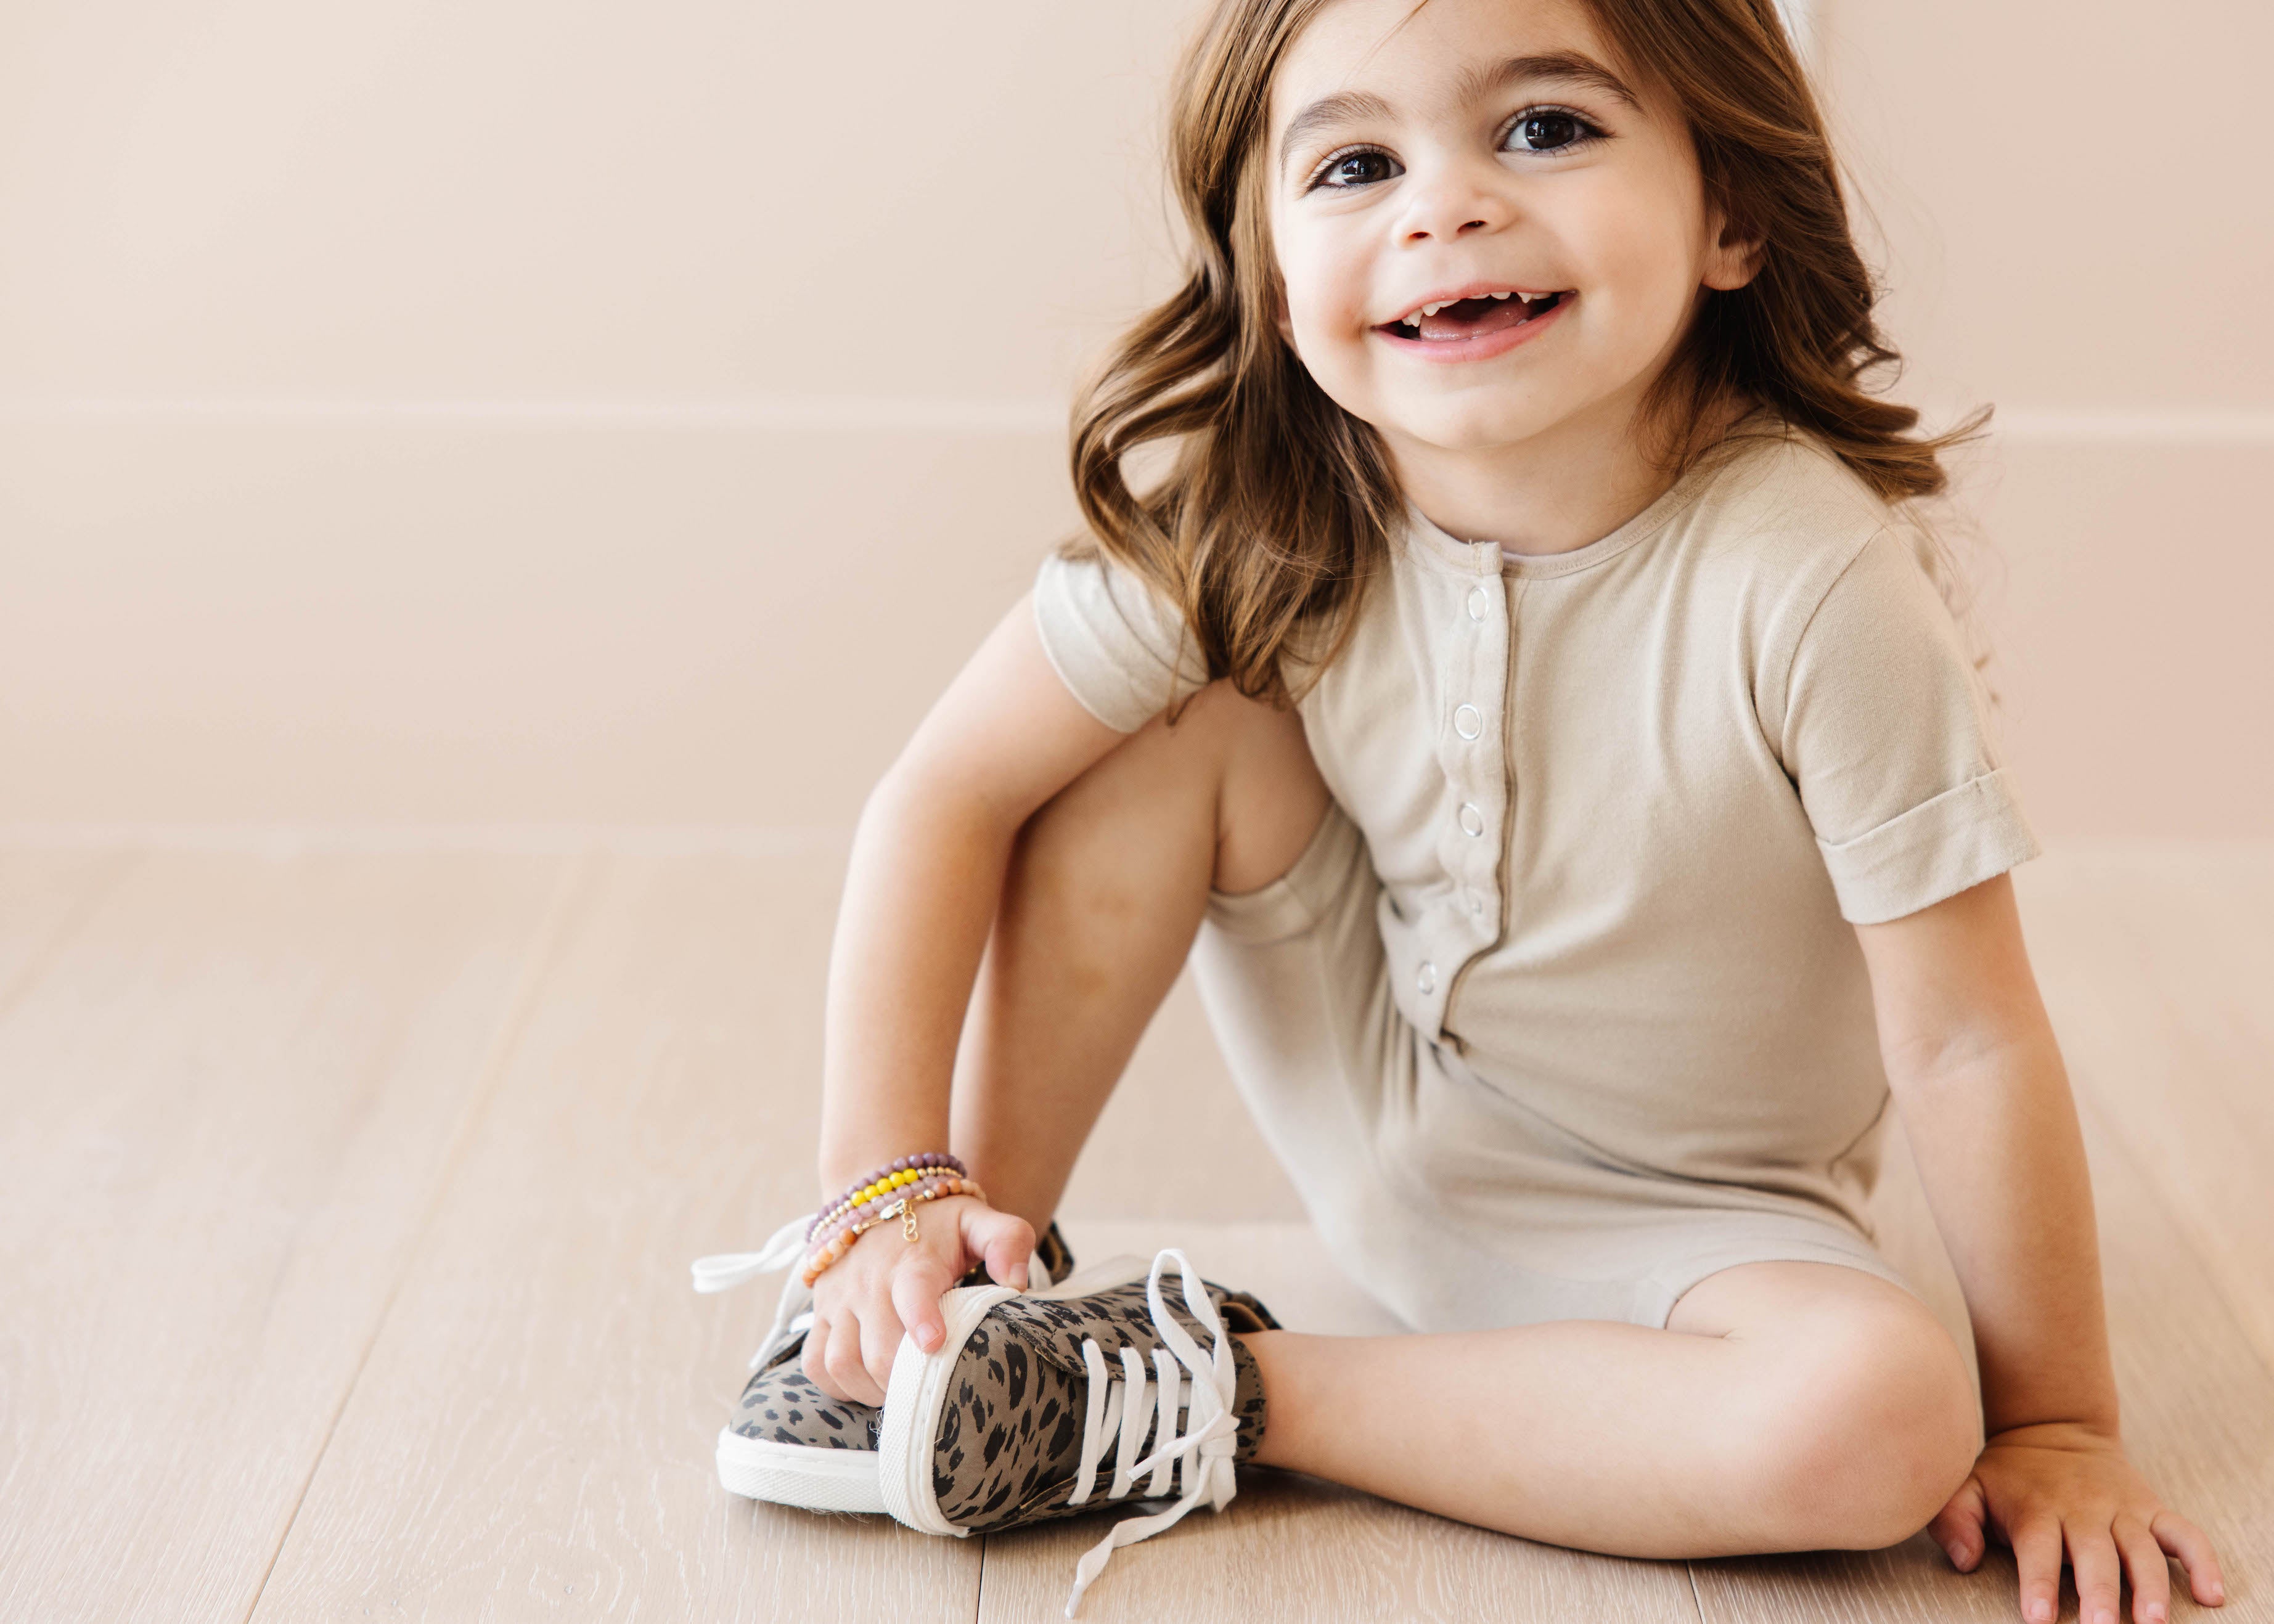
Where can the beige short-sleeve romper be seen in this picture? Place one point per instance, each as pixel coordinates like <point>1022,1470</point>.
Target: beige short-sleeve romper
<point>1562,1009</point>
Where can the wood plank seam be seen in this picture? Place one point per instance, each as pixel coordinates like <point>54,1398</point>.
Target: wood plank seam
<point>552,932</point>
<point>2112,1130</point>
<point>2095,1090</point>
<point>35,966</point>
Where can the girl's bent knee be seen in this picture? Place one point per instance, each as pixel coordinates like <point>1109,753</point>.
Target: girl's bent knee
<point>1877,1427</point>
<point>1271,797</point>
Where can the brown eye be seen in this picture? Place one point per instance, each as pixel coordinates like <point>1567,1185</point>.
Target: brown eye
<point>1358,168</point>
<point>1547,132</point>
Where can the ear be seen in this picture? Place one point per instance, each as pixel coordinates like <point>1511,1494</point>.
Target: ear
<point>1733,257</point>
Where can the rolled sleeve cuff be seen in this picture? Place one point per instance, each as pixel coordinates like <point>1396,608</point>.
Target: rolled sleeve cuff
<point>1939,848</point>
<point>1104,662</point>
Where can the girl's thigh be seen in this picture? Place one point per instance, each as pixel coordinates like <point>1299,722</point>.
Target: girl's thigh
<point>1294,978</point>
<point>1273,799</point>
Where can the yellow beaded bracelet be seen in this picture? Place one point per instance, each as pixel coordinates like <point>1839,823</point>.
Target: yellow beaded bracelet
<point>837,1244</point>
<point>882,1182</point>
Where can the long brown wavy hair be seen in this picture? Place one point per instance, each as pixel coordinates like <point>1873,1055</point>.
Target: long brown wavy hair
<point>1277,506</point>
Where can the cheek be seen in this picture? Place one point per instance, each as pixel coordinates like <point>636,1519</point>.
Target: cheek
<point>1325,289</point>
<point>1325,325</point>
<point>1647,261</point>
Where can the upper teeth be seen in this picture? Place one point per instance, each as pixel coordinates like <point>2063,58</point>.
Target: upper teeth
<point>1413,319</point>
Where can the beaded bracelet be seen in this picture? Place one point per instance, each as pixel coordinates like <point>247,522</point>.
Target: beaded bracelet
<point>869,1214</point>
<point>904,1208</point>
<point>890,1177</point>
<point>875,1192</point>
<point>874,1207</point>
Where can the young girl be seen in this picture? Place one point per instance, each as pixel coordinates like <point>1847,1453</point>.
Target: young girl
<point>1523,682</point>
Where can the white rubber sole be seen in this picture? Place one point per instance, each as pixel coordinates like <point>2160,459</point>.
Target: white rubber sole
<point>799,1475</point>
<point>918,1389</point>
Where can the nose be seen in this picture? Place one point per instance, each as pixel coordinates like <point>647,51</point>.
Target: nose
<point>1451,203</point>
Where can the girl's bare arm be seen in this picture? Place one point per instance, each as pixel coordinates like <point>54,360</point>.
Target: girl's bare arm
<point>1985,1098</point>
<point>926,871</point>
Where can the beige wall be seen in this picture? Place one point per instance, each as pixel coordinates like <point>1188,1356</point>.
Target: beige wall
<point>511,412</point>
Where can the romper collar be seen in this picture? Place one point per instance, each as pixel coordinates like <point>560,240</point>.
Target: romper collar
<point>1483,558</point>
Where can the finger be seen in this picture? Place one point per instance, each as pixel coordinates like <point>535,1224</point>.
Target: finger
<point>1007,1244</point>
<point>880,1345</point>
<point>813,1359</point>
<point>2151,1575</point>
<point>2037,1553</point>
<point>1957,1527</point>
<point>2092,1553</point>
<point>844,1361</point>
<point>2186,1541</point>
<point>917,1287</point>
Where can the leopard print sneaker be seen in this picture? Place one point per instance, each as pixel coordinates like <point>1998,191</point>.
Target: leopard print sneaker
<point>1012,1422</point>
<point>788,1442</point>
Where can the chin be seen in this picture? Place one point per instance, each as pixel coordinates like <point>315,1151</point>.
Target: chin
<point>1471,427</point>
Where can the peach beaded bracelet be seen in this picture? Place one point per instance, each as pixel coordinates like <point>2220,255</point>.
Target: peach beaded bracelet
<point>904,1208</point>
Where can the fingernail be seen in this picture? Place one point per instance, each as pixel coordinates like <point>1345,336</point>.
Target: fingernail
<point>2103,1616</point>
<point>928,1338</point>
<point>1957,1554</point>
<point>2217,1594</point>
<point>2041,1610</point>
<point>2156,1614</point>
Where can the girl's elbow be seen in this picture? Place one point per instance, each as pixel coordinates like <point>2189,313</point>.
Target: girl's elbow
<point>921,791</point>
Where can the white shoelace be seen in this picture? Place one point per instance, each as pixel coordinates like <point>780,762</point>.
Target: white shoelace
<point>1116,1407</point>
<point>793,1315</point>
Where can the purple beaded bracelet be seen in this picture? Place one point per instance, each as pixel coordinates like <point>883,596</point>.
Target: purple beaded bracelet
<point>853,1220</point>
<point>864,1190</point>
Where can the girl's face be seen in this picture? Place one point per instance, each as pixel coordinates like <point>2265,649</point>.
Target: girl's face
<point>1485,232</point>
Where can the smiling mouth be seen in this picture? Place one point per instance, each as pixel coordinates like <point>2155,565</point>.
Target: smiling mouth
<point>1470,318</point>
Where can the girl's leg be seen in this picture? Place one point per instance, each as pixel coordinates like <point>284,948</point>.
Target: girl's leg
<point>1787,1406</point>
<point>1105,893</point>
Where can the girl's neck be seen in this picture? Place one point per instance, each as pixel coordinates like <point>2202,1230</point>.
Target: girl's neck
<point>1555,492</point>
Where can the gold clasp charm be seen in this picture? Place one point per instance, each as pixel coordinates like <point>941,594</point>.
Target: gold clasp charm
<point>907,1212</point>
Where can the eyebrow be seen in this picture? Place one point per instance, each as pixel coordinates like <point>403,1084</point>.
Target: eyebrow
<point>1347,108</point>
<point>1570,66</point>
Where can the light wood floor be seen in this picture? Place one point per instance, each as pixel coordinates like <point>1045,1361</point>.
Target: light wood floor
<point>348,1196</point>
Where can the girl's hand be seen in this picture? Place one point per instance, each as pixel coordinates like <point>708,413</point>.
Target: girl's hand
<point>2041,1489</point>
<point>888,1283</point>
